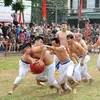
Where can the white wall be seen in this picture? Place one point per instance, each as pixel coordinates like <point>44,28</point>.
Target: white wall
<point>75,4</point>
<point>90,3</point>
<point>5,12</point>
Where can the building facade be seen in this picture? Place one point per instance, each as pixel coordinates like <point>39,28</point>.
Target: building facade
<point>91,9</point>
<point>6,12</point>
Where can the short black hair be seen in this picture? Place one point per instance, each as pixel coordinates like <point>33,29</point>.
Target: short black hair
<point>56,40</point>
<point>64,22</point>
<point>24,46</point>
<point>38,38</point>
<point>71,36</point>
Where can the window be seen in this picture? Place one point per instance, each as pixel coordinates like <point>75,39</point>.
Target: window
<point>84,3</point>
<point>71,3</point>
<point>97,2</point>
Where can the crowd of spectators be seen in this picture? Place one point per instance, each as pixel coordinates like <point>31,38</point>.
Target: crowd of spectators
<point>12,37</point>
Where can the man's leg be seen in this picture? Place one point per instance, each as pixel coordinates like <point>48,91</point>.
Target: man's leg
<point>23,69</point>
<point>41,78</point>
<point>50,72</point>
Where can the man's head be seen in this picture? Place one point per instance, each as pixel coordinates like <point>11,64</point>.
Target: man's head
<point>70,38</point>
<point>64,26</point>
<point>39,40</point>
<point>78,37</point>
<point>55,42</point>
<point>25,46</point>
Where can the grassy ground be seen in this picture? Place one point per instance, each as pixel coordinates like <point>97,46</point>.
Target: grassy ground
<point>29,90</point>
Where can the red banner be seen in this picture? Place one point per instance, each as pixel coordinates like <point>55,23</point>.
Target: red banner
<point>87,31</point>
<point>44,12</point>
<point>80,9</point>
<point>20,17</point>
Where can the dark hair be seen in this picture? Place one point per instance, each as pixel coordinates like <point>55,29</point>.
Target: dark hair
<point>24,46</point>
<point>56,40</point>
<point>65,22</point>
<point>71,36</point>
<point>38,38</point>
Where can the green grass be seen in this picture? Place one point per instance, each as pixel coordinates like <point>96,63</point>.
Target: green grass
<point>29,90</point>
<point>9,62</point>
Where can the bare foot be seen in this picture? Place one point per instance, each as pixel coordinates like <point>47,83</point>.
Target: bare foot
<point>10,92</point>
<point>85,80</point>
<point>74,91</point>
<point>72,82</point>
<point>51,87</point>
<point>90,81</point>
<point>41,83</point>
<point>58,91</point>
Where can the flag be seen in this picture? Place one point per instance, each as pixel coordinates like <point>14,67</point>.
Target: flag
<point>20,17</point>
<point>80,9</point>
<point>44,13</point>
<point>87,31</point>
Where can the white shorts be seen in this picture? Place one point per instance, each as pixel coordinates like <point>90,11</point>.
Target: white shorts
<point>65,70</point>
<point>98,62</point>
<point>24,68</point>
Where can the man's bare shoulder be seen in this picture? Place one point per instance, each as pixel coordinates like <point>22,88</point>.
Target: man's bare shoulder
<point>76,44</point>
<point>82,41</point>
<point>36,48</point>
<point>69,32</point>
<point>62,46</point>
<point>98,39</point>
<point>59,32</point>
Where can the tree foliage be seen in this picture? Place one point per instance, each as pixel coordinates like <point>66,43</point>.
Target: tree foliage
<point>36,11</point>
<point>18,6</point>
<point>15,5</point>
<point>61,10</point>
<point>7,2</point>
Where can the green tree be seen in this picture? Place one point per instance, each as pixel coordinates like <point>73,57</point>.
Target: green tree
<point>17,6</point>
<point>36,11</point>
<point>56,10</point>
<point>7,2</point>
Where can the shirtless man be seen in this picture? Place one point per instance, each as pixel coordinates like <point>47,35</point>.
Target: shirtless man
<point>77,49</point>
<point>62,37</point>
<point>66,66</point>
<point>62,34</point>
<point>96,45</point>
<point>39,52</point>
<point>24,66</point>
<point>49,63</point>
<point>78,38</point>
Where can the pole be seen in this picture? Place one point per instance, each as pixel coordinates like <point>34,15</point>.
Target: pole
<point>23,14</point>
<point>78,18</point>
<point>56,12</point>
<point>32,4</point>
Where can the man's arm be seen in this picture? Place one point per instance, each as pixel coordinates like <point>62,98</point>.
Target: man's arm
<point>42,54</point>
<point>43,50</point>
<point>83,44</point>
<point>39,49</point>
<point>32,60</point>
<point>83,51</point>
<point>96,45</point>
<point>75,57</point>
<point>54,48</point>
<point>36,49</point>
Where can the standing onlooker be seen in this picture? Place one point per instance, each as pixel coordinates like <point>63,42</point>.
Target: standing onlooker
<point>1,33</point>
